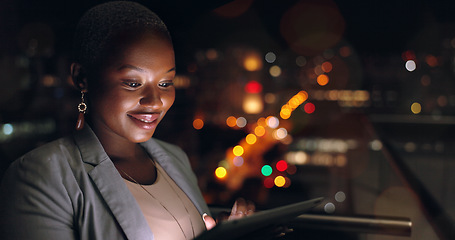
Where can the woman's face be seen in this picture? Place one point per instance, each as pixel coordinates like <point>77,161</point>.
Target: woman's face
<point>134,90</point>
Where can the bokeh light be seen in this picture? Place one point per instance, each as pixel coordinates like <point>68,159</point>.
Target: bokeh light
<point>253,87</point>
<point>275,71</point>
<point>231,121</point>
<point>273,122</point>
<point>266,170</point>
<point>241,122</point>
<point>253,104</point>
<point>259,131</point>
<point>323,79</point>
<point>340,196</point>
<point>410,65</point>
<point>281,165</point>
<point>280,134</point>
<point>252,62</point>
<point>416,108</point>
<point>309,108</point>
<point>326,67</point>
<point>238,150</point>
<point>8,129</point>
<point>198,123</point>
<point>270,57</point>
<point>279,181</point>
<point>251,138</point>
<point>329,207</point>
<point>220,172</point>
<point>238,161</point>
<point>268,182</point>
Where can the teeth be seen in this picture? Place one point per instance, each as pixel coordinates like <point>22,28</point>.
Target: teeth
<point>142,120</point>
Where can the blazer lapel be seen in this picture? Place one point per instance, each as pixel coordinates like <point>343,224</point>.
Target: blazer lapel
<point>112,187</point>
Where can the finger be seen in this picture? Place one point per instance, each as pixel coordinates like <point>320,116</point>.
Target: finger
<point>239,209</point>
<point>209,221</point>
<point>251,208</point>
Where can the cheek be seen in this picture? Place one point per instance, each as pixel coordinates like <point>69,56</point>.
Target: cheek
<point>169,100</point>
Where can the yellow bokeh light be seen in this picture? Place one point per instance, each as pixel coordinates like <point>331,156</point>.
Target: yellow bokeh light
<point>231,121</point>
<point>238,150</point>
<point>416,108</point>
<point>323,79</point>
<point>259,131</point>
<point>285,114</point>
<point>251,138</point>
<point>220,172</point>
<point>253,62</point>
<point>280,181</point>
<point>304,95</point>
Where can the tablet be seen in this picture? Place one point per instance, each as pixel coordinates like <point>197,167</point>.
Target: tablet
<point>240,227</point>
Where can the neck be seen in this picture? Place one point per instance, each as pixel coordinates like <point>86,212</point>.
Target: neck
<point>118,148</point>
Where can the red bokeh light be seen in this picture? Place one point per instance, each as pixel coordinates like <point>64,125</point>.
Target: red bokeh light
<point>281,165</point>
<point>309,108</point>
<point>268,182</point>
<point>253,87</point>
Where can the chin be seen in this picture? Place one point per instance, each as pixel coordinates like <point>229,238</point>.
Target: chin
<point>141,137</point>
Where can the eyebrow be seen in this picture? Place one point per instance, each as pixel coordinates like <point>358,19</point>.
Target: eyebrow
<point>129,66</point>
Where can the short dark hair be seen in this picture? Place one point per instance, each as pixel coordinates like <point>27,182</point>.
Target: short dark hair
<point>101,23</point>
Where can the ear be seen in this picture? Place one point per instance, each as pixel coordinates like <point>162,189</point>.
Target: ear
<point>79,76</point>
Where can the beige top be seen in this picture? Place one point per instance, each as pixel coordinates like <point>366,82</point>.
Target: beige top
<point>168,211</point>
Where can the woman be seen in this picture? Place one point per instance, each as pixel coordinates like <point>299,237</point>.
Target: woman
<point>111,179</point>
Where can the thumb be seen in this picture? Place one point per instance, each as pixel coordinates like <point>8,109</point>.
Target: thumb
<point>209,221</point>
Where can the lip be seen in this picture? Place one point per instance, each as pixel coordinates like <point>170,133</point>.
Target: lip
<point>145,120</point>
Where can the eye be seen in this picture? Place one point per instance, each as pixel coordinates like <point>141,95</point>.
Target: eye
<point>132,84</point>
<point>166,84</point>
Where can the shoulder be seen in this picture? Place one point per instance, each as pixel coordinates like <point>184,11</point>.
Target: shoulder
<point>50,159</point>
<point>56,150</point>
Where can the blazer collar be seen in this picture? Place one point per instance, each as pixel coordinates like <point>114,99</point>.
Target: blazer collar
<point>111,186</point>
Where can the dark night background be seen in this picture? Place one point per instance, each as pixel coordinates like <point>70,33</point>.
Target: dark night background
<point>386,157</point>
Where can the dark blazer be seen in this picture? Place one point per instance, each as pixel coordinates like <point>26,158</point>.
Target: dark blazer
<point>70,189</point>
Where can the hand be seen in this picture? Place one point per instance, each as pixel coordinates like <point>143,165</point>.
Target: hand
<point>240,209</point>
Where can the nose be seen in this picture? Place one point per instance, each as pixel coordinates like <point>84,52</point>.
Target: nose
<point>151,98</point>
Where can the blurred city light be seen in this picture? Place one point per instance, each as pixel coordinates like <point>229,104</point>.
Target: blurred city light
<point>238,161</point>
<point>270,57</point>
<point>309,108</point>
<point>238,150</point>
<point>241,122</point>
<point>281,165</point>
<point>231,121</point>
<point>279,181</point>
<point>251,138</point>
<point>416,108</point>
<point>266,170</point>
<point>259,131</point>
<point>220,172</point>
<point>275,71</point>
<point>272,122</point>
<point>410,65</point>
<point>198,124</point>
<point>252,104</point>
<point>252,62</point>
<point>323,79</point>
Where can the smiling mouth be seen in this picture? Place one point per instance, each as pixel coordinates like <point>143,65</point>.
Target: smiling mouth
<point>145,118</point>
